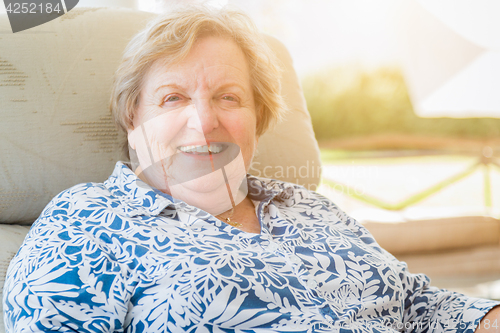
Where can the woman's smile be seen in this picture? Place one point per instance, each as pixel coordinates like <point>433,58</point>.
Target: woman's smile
<point>211,148</point>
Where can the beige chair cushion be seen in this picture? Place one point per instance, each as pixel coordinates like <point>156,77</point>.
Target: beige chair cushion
<point>56,131</point>
<point>291,146</point>
<point>427,236</point>
<point>11,238</point>
<point>478,261</point>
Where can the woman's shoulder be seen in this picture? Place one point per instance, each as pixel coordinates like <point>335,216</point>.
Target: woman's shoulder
<point>77,197</point>
<point>122,195</point>
<point>291,193</point>
<point>80,199</point>
<point>298,196</point>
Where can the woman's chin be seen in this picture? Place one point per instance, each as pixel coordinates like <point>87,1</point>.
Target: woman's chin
<point>210,192</point>
<point>209,183</point>
<point>197,183</point>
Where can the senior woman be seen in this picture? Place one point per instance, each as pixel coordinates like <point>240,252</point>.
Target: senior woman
<point>184,240</point>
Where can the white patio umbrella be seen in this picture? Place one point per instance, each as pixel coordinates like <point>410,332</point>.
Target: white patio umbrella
<point>451,57</point>
<point>451,64</point>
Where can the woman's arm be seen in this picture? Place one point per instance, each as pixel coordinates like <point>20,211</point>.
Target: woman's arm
<point>491,322</point>
<point>62,281</point>
<point>427,308</point>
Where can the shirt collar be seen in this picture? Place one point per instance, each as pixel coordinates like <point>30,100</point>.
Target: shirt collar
<point>139,198</point>
<point>285,193</point>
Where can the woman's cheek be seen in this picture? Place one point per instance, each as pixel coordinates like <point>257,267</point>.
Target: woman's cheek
<point>159,130</point>
<point>160,150</point>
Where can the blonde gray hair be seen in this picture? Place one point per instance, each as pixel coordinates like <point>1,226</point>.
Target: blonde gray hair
<point>170,38</point>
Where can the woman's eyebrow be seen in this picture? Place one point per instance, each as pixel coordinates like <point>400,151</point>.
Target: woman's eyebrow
<point>232,84</point>
<point>168,85</point>
<point>226,83</point>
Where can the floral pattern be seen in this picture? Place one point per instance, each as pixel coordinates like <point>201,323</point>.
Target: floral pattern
<point>123,257</point>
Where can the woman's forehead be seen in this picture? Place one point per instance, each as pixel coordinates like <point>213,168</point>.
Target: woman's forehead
<point>210,51</point>
<point>214,76</point>
<point>212,61</point>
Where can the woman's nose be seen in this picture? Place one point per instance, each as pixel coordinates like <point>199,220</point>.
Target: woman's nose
<point>203,117</point>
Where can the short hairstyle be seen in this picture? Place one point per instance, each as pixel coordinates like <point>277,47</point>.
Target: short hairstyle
<point>170,37</point>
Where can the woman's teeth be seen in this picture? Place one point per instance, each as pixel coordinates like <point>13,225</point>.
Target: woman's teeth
<point>214,149</point>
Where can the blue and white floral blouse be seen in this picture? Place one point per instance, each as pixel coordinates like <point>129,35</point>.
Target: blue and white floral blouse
<point>122,257</point>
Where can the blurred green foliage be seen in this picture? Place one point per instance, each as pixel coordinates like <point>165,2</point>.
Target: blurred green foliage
<point>350,102</point>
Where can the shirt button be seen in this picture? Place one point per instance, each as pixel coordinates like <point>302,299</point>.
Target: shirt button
<point>311,283</point>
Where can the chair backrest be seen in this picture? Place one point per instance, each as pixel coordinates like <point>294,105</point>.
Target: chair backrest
<point>56,130</point>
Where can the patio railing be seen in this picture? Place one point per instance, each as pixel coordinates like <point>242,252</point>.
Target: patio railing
<point>486,162</point>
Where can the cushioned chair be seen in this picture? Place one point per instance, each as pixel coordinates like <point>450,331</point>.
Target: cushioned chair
<point>56,130</point>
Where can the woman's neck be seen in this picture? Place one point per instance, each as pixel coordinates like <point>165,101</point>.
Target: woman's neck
<point>244,214</point>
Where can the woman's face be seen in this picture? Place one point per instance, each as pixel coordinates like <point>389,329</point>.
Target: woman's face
<point>194,127</point>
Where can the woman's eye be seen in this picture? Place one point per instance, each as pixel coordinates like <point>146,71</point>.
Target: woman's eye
<point>229,98</point>
<point>172,98</point>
